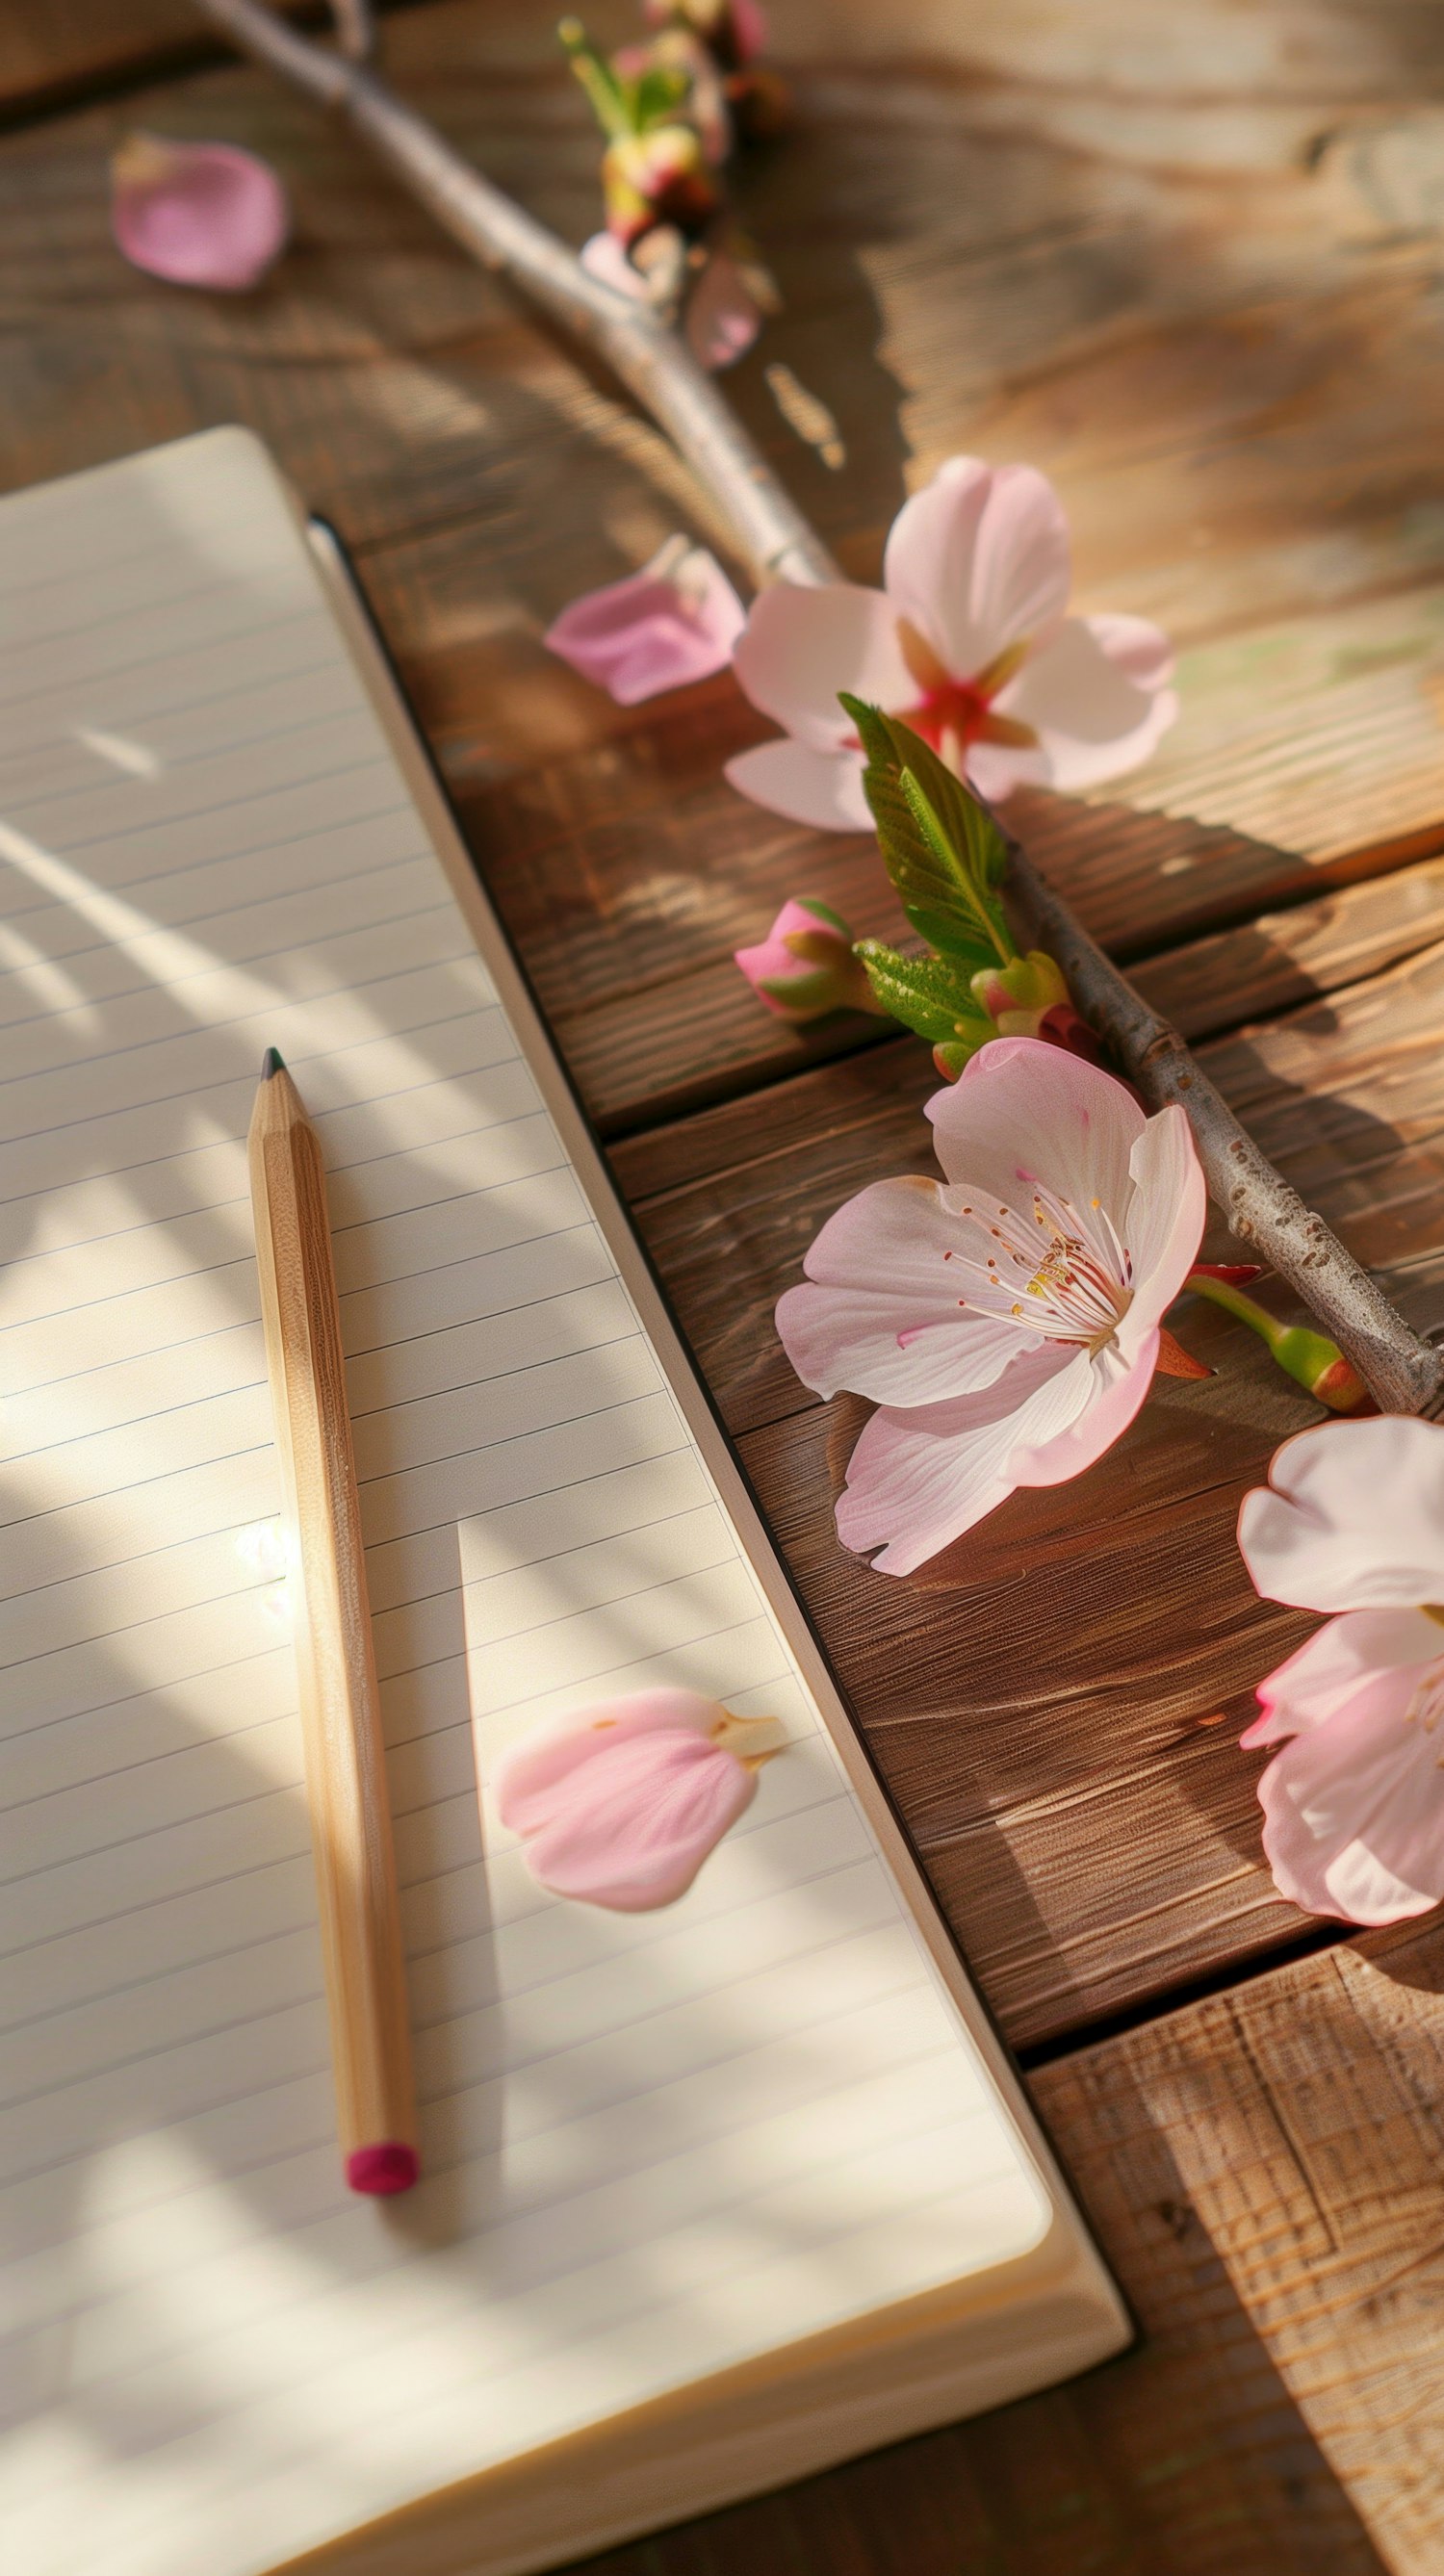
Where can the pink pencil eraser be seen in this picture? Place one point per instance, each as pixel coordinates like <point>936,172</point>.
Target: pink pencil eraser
<point>387,2168</point>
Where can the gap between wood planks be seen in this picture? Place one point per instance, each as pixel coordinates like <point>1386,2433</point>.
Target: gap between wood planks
<point>1086,1832</point>
<point>663,1043</point>
<point>170,42</point>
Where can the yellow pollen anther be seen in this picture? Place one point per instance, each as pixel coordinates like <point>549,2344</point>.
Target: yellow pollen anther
<point>1055,1268</point>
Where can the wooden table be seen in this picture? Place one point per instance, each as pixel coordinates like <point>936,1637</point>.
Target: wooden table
<point>1188,260</point>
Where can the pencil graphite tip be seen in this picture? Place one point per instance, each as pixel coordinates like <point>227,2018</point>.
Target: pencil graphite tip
<point>272,1062</point>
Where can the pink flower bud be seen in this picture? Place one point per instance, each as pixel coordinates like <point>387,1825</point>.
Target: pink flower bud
<point>675,621</point>
<point>660,177</point>
<point>620,1804</point>
<point>805,967</point>
<point>197,214</point>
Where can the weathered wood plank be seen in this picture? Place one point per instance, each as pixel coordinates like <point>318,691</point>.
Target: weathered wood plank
<point>1227,360</point>
<point>701,1036</point>
<point>1283,958</point>
<point>1346,1095</point>
<point>1079,1799</point>
<point>1285,2411</point>
<point>51,48</point>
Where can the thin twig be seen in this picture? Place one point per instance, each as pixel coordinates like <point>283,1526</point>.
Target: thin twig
<point>769,530</point>
<point>1404,1373</point>
<point>355,24</point>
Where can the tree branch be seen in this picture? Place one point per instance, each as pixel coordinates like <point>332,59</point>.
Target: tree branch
<point>355,25</point>
<point>768,529</point>
<point>1404,1373</point>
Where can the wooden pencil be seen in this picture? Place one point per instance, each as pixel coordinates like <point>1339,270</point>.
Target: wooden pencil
<point>340,1706</point>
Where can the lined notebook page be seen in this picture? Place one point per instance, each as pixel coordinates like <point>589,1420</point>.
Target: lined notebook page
<point>653,2145</point>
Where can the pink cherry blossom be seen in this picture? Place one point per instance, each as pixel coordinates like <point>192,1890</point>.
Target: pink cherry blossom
<point>805,967</point>
<point>619,1804</point>
<point>673,622</point>
<point>969,641</point>
<point>1007,1320</point>
<point>1352,1521</point>
<point>197,214</point>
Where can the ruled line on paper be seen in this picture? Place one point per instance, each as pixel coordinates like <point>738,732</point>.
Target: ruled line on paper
<point>541,1529</point>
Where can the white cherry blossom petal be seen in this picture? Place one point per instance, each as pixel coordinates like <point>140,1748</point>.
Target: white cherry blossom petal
<point>978,561</point>
<point>1091,717</point>
<point>801,646</point>
<point>882,1311</point>
<point>1339,1662</point>
<point>1023,1111</point>
<point>1119,1384</point>
<point>1164,1224</point>
<point>820,788</point>
<point>1136,645</point>
<point>1354,1810</point>
<point>918,1479</point>
<point>1352,1517</point>
<point>994,769</point>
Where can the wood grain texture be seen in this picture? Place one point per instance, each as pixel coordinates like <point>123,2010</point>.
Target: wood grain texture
<point>1186,260</point>
<point>1205,307</point>
<point>1079,1799</point>
<point>1285,2410</point>
<point>340,1702</point>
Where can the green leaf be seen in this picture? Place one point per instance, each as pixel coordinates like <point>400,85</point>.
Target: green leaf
<point>873,731</point>
<point>928,994</point>
<point>944,853</point>
<point>968,825</point>
<point>610,103</point>
<point>656,95</point>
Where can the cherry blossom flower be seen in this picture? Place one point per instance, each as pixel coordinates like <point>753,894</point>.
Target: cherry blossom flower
<point>1352,1521</point>
<point>674,621</point>
<point>1008,1319</point>
<point>969,641</point>
<point>805,967</point>
<point>620,1804</point>
<point>197,214</point>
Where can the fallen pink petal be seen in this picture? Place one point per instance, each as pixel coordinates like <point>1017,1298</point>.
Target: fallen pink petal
<point>723,316</point>
<point>197,214</point>
<point>1007,1319</point>
<point>1352,1521</point>
<point>969,641</point>
<point>619,1804</point>
<point>672,623</point>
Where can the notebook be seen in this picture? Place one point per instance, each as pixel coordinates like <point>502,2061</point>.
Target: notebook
<point>713,2194</point>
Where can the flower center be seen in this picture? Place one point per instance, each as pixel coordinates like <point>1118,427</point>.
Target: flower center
<point>1075,1286</point>
<point>950,714</point>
